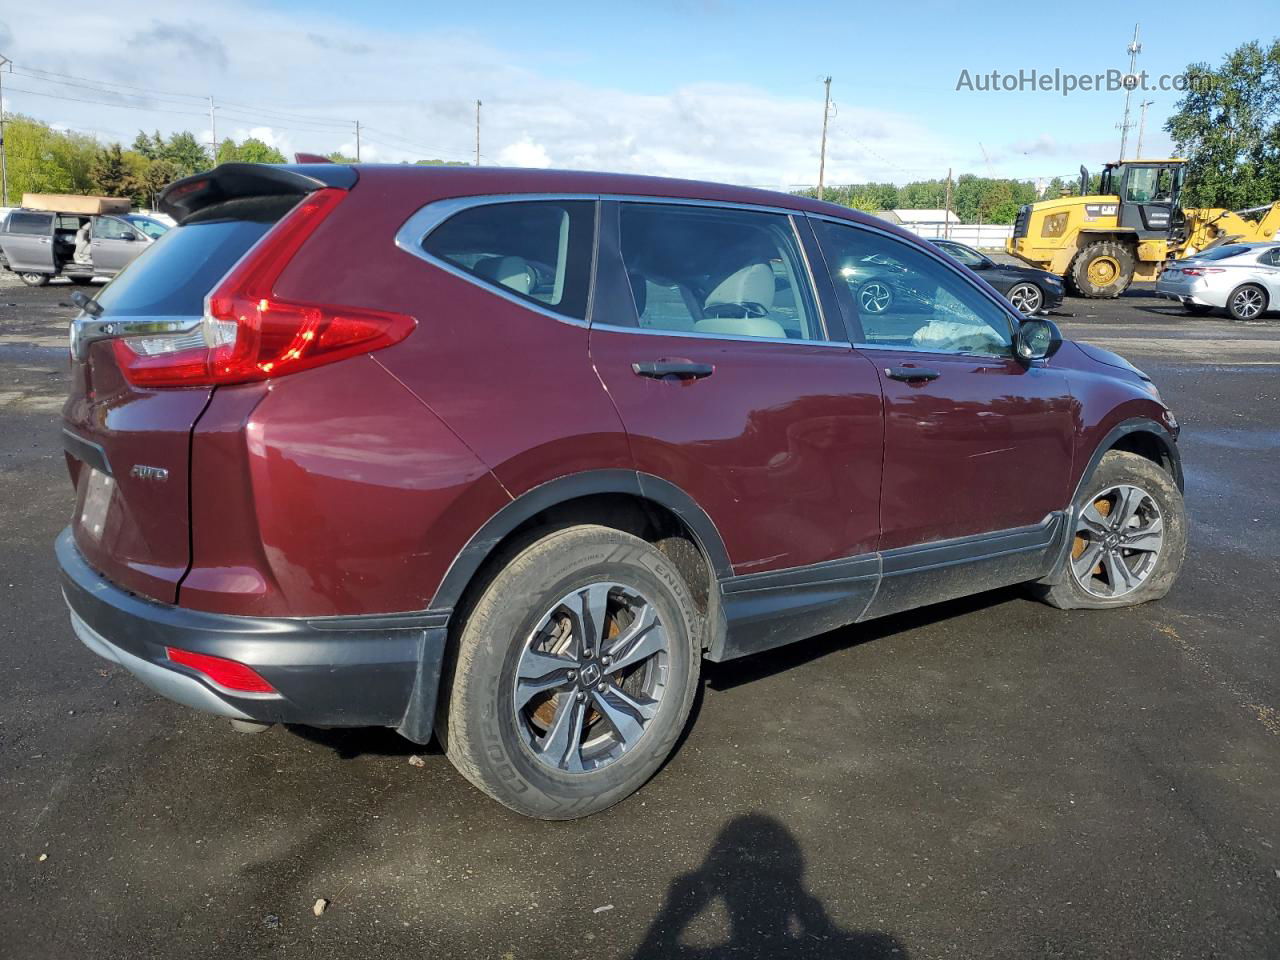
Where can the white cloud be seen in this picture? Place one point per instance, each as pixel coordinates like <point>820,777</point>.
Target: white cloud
<point>414,93</point>
<point>524,153</point>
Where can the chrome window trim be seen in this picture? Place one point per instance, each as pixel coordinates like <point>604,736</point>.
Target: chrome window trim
<point>1013,317</point>
<point>418,227</point>
<point>694,335</point>
<point>931,350</point>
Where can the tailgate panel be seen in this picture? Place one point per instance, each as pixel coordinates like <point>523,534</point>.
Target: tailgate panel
<point>132,525</point>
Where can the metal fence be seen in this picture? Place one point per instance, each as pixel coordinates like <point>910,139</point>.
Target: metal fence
<point>973,234</point>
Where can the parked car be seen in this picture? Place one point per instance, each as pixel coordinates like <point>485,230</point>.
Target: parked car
<point>504,455</point>
<point>1030,290</point>
<point>39,245</point>
<point>1242,278</point>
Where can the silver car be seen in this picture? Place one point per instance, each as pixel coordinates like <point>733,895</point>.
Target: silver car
<point>38,245</point>
<point>1242,278</point>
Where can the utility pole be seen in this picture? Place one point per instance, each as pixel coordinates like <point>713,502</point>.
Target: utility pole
<point>213,133</point>
<point>822,153</point>
<point>357,141</point>
<point>1142,126</point>
<point>946,214</point>
<point>477,133</point>
<point>1134,49</point>
<point>4,162</point>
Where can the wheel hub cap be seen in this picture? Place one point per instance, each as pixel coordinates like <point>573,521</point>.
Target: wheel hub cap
<point>591,677</point>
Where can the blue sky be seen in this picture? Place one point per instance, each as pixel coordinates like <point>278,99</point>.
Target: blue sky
<point>708,89</point>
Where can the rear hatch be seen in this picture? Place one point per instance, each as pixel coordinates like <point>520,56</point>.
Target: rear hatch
<point>127,432</point>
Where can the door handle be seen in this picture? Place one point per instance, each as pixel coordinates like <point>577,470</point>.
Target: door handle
<point>673,369</point>
<point>908,374</point>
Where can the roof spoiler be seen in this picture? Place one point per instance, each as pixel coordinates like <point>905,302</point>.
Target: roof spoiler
<point>184,197</point>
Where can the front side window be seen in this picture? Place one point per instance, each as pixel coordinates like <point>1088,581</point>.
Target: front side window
<point>109,228</point>
<point>903,297</point>
<point>716,271</point>
<point>538,250</point>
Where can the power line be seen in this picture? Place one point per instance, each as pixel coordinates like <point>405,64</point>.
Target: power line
<point>109,83</point>
<point>102,103</point>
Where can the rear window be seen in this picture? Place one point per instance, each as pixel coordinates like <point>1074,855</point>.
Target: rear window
<point>172,277</point>
<point>37,223</point>
<point>1221,253</point>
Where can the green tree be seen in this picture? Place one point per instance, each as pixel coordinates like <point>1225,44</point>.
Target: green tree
<point>185,153</point>
<point>254,150</point>
<point>339,157</point>
<point>110,175</point>
<point>1227,125</point>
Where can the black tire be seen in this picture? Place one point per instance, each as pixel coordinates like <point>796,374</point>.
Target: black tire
<point>1123,259</point>
<point>483,731</point>
<point>34,279</point>
<point>1118,467</point>
<point>1197,309</point>
<point>1248,301</point>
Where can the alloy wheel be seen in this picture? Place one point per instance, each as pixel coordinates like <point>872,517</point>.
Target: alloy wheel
<point>1026,298</point>
<point>875,297</point>
<point>1247,303</point>
<point>591,676</point>
<point>1117,543</point>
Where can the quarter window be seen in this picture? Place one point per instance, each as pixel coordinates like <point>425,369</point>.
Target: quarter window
<point>716,271</point>
<point>30,223</point>
<point>538,250</point>
<point>902,297</point>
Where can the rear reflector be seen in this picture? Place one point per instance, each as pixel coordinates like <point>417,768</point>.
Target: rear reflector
<point>225,673</point>
<point>250,334</point>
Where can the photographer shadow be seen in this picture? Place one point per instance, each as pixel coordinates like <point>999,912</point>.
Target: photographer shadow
<point>755,867</point>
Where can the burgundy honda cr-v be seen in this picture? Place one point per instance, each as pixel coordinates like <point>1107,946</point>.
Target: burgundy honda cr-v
<point>504,455</point>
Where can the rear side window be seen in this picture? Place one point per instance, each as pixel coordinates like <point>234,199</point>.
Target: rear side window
<point>173,275</point>
<point>705,270</point>
<point>29,223</point>
<point>538,250</point>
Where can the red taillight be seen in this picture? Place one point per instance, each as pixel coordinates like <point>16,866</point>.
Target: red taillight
<point>250,334</point>
<point>225,673</point>
<point>1201,271</point>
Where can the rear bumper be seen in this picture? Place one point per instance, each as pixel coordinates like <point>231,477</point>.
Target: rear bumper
<point>329,671</point>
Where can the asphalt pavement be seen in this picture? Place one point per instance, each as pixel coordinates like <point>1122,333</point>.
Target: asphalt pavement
<point>985,778</point>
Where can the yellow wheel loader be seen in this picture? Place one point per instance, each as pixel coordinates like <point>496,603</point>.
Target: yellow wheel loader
<point>1100,244</point>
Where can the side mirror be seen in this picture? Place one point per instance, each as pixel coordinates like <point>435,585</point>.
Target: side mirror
<point>128,236</point>
<point>982,265</point>
<point>1036,340</point>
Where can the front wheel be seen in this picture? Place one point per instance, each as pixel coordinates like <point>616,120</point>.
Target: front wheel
<point>1129,540</point>
<point>574,674</point>
<point>34,279</point>
<point>1102,270</point>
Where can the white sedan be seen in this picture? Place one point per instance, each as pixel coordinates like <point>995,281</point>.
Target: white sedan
<point>1242,278</point>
